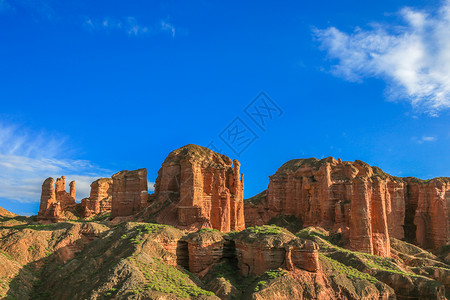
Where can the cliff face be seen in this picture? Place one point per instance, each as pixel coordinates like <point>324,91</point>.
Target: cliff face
<point>55,200</point>
<point>206,248</point>
<point>100,198</point>
<point>260,249</point>
<point>365,204</point>
<point>129,192</point>
<point>429,212</point>
<point>198,188</point>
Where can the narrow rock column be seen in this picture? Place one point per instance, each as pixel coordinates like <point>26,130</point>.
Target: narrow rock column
<point>48,196</point>
<point>380,232</point>
<point>360,223</point>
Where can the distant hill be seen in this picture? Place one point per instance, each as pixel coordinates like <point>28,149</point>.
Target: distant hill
<point>5,213</point>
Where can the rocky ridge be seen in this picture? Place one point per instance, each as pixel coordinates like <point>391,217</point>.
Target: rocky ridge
<point>362,202</point>
<point>347,228</point>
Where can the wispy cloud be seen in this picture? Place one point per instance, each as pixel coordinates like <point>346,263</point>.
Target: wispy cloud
<point>168,27</point>
<point>27,158</point>
<point>128,25</point>
<point>413,58</point>
<point>424,139</point>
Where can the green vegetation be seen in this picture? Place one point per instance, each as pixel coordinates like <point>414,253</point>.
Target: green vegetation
<point>101,217</point>
<point>232,275</point>
<point>308,233</point>
<point>318,234</point>
<point>350,272</point>
<point>144,229</point>
<point>6,255</point>
<point>208,230</point>
<point>272,274</point>
<point>16,218</point>
<point>36,226</point>
<point>111,292</point>
<point>265,229</point>
<point>295,164</point>
<point>354,259</point>
<point>383,264</point>
<point>167,279</point>
<point>290,222</point>
<point>260,285</point>
<point>242,283</point>
<point>224,270</point>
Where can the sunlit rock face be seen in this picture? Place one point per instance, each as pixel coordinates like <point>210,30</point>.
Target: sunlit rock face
<point>362,202</point>
<point>259,250</point>
<point>55,200</point>
<point>129,192</point>
<point>199,188</point>
<point>100,198</point>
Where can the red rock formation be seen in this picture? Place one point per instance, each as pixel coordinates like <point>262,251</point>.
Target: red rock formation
<point>129,192</point>
<point>55,199</point>
<point>367,205</point>
<point>198,188</point>
<point>205,250</point>
<point>66,199</point>
<point>332,194</point>
<point>48,196</point>
<point>304,254</point>
<point>431,203</point>
<point>258,252</point>
<point>100,198</point>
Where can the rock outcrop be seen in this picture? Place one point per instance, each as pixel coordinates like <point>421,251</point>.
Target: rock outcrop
<point>55,200</point>
<point>206,248</point>
<point>198,188</point>
<point>365,204</point>
<point>129,193</point>
<point>100,198</point>
<point>428,211</point>
<point>260,249</point>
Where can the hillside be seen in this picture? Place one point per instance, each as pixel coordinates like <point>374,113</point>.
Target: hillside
<point>98,260</point>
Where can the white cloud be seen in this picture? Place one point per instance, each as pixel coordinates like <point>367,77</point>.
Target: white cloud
<point>424,139</point>
<point>27,159</point>
<point>151,186</point>
<point>128,25</point>
<point>414,59</point>
<point>168,27</point>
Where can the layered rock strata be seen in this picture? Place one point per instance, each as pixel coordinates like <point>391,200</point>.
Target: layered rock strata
<point>365,204</point>
<point>100,198</point>
<point>206,248</point>
<point>55,199</point>
<point>129,192</point>
<point>199,188</point>
<point>268,248</point>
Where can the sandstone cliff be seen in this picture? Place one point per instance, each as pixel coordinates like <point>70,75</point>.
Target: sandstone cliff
<point>362,202</point>
<point>198,188</point>
<point>100,198</point>
<point>129,192</point>
<point>55,200</point>
<point>265,248</point>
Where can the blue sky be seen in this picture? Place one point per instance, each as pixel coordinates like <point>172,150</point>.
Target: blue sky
<point>88,89</point>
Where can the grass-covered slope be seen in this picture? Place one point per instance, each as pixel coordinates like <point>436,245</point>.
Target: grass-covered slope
<point>406,273</point>
<point>96,260</point>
